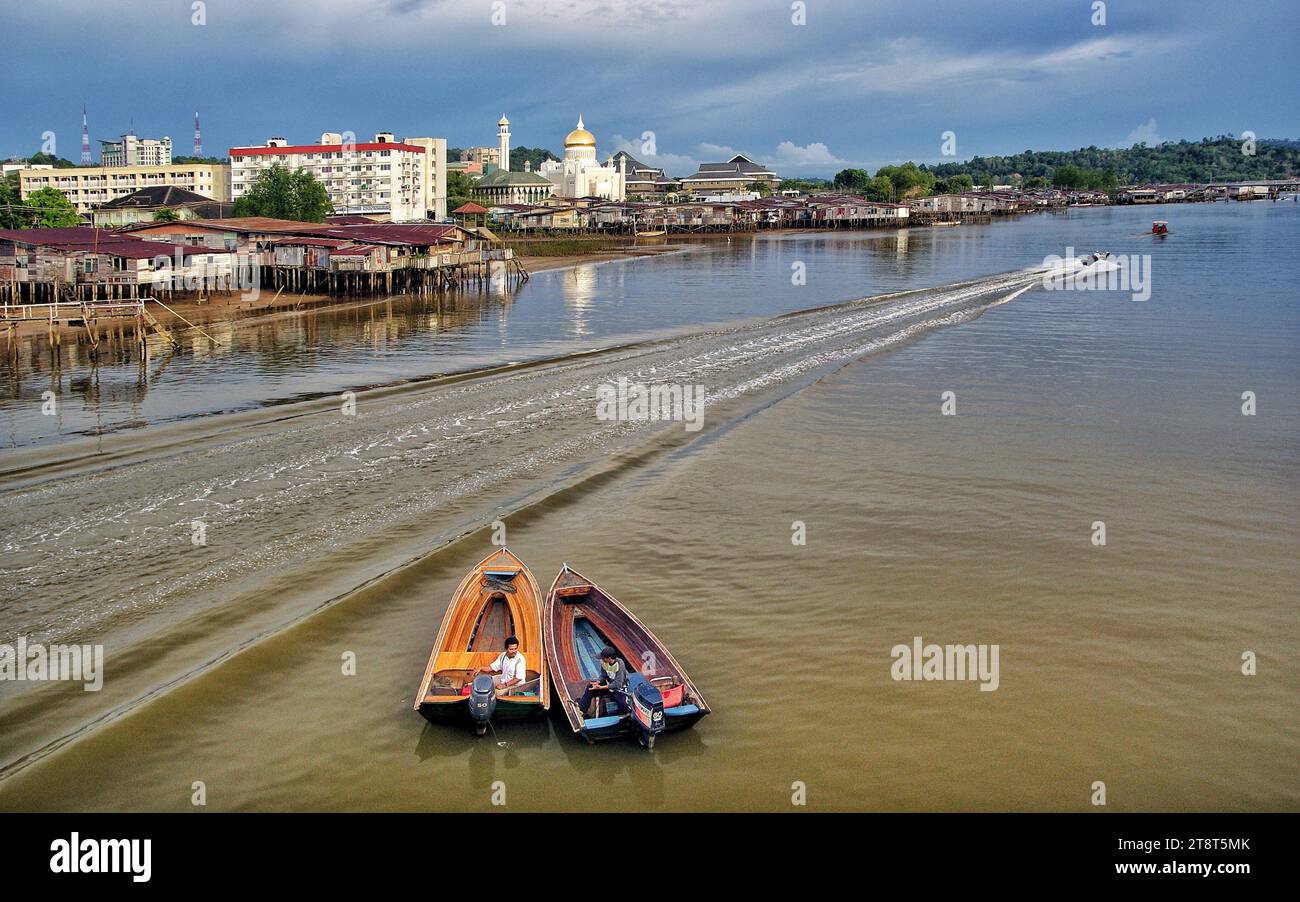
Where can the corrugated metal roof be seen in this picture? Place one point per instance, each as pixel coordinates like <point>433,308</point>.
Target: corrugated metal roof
<point>389,233</point>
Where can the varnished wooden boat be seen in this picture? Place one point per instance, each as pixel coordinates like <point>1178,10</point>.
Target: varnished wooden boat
<point>498,598</point>
<point>580,619</point>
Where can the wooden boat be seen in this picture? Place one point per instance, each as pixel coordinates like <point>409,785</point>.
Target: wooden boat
<point>581,619</point>
<point>497,599</point>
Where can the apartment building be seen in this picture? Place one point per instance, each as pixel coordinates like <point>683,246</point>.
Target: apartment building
<point>483,156</point>
<point>133,150</point>
<point>89,186</point>
<point>405,179</point>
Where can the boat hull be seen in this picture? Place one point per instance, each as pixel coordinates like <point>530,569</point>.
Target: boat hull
<point>673,723</point>
<point>458,711</point>
<point>578,620</point>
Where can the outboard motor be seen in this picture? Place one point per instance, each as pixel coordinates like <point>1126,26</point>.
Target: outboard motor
<point>482,702</point>
<point>647,706</point>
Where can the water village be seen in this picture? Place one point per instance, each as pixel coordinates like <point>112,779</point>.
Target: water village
<point>152,230</point>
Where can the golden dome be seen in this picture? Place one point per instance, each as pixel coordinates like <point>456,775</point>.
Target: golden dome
<point>580,137</point>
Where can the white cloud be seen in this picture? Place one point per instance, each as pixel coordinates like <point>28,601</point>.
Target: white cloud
<point>1144,134</point>
<point>793,156</point>
<point>717,152</point>
<point>787,157</point>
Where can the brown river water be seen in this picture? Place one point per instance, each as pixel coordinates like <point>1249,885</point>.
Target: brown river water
<point>329,534</point>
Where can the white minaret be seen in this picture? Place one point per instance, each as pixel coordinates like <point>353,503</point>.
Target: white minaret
<point>503,141</point>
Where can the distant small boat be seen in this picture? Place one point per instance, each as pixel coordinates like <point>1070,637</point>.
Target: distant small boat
<point>580,620</point>
<point>659,233</point>
<point>499,598</point>
<point>1160,227</point>
<point>946,222</point>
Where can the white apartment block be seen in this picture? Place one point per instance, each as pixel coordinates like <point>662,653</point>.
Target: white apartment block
<point>89,186</point>
<point>136,151</point>
<point>406,179</point>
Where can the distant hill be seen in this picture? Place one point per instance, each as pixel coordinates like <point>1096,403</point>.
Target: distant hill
<point>207,160</point>
<point>534,155</point>
<point>1171,162</point>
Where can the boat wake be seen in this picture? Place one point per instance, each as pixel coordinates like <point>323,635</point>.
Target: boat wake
<point>196,546</point>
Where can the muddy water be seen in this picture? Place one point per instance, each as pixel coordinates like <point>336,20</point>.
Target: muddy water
<point>1118,663</point>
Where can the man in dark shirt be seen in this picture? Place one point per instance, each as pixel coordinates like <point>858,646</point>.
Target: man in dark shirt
<point>613,680</point>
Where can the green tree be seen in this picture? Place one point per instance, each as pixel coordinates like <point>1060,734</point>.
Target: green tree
<point>282,193</point>
<point>879,189</point>
<point>852,179</point>
<point>50,159</point>
<point>1218,157</point>
<point>1069,176</point>
<point>808,186</point>
<point>460,190</point>
<point>49,209</point>
<point>762,189</point>
<point>534,155</point>
<point>166,214</point>
<point>11,217</point>
<point>956,184</point>
<point>909,180</point>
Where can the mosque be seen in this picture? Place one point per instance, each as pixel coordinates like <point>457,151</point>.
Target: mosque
<point>580,174</point>
<point>501,186</point>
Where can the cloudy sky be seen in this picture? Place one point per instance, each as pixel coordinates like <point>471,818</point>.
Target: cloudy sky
<point>861,83</point>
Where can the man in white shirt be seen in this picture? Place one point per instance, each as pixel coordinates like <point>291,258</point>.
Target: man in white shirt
<point>510,668</point>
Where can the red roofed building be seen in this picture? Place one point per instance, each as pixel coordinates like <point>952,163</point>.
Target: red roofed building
<point>405,179</point>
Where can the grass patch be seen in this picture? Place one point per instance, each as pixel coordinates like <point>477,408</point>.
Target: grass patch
<point>566,247</point>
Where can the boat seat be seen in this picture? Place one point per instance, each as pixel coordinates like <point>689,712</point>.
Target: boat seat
<point>599,723</point>
<point>681,711</point>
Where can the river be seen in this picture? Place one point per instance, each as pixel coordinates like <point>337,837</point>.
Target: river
<point>329,531</point>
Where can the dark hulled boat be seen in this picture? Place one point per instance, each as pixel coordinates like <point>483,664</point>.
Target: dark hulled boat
<point>580,619</point>
<point>497,599</point>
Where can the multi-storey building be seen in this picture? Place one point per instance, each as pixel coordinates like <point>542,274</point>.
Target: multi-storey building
<point>483,156</point>
<point>640,180</point>
<point>405,179</point>
<point>136,151</point>
<point>735,176</point>
<point>89,186</point>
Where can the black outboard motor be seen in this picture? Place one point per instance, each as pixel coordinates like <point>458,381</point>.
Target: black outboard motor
<point>647,706</point>
<point>482,702</point>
